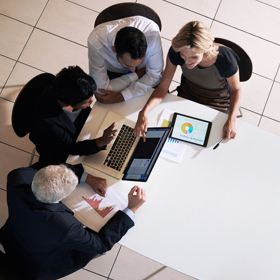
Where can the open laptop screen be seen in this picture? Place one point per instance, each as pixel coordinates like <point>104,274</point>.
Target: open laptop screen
<point>145,155</point>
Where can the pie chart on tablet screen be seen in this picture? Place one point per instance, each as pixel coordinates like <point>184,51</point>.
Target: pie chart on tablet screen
<point>187,128</point>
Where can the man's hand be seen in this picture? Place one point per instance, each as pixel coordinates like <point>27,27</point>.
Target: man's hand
<point>109,97</point>
<point>141,126</point>
<point>136,200</point>
<point>99,185</point>
<point>229,130</point>
<point>108,135</point>
<point>141,72</point>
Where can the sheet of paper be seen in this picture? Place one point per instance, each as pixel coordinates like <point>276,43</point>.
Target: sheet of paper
<point>93,210</point>
<point>173,149</point>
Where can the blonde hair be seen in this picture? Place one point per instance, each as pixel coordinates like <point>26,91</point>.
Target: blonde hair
<point>53,183</point>
<point>197,36</point>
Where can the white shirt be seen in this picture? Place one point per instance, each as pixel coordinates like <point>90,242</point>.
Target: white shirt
<point>102,58</point>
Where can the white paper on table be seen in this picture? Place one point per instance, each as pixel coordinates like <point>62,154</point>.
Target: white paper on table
<point>93,210</point>
<point>172,149</point>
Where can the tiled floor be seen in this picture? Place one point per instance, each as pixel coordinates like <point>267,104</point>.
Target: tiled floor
<point>47,35</point>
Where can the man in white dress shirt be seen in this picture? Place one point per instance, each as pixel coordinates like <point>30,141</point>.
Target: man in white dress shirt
<point>130,49</point>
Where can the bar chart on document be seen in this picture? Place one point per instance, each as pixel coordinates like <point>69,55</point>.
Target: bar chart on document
<point>93,210</point>
<point>173,149</point>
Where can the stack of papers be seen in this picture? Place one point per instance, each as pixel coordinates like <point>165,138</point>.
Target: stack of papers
<point>93,210</point>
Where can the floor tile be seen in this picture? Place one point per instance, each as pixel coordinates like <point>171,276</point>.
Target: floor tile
<point>265,55</point>
<point>250,117</point>
<point>250,17</point>
<point>68,20</point>
<point>47,53</point>
<point>136,266</point>
<point>166,44</point>
<point>83,275</point>
<point>206,8</point>
<point>99,5</point>
<point>103,264</point>
<point>8,135</point>
<point>3,207</point>
<point>272,106</point>
<point>273,3</point>
<point>170,274</point>
<point>19,77</point>
<point>255,93</point>
<point>173,87</point>
<point>14,36</point>
<point>11,158</point>
<point>171,27</point>
<point>270,125</point>
<point>17,9</point>
<point>6,68</point>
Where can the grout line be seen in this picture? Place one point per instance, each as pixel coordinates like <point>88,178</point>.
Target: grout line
<point>248,33</point>
<point>16,20</point>
<point>267,4</point>
<point>60,37</point>
<point>216,14</point>
<point>186,9</point>
<point>251,111</point>
<point>16,148</point>
<point>165,38</point>
<point>8,57</point>
<point>7,100</point>
<point>273,80</point>
<point>269,96</point>
<point>114,262</point>
<point>94,273</point>
<point>31,66</point>
<point>82,6</point>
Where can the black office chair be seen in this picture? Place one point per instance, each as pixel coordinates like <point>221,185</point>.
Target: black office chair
<point>244,64</point>
<point>25,102</point>
<point>124,10</point>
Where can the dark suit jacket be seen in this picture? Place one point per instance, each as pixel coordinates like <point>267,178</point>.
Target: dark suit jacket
<point>54,134</point>
<point>44,240</point>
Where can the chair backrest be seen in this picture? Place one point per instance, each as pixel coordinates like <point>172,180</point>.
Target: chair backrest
<point>25,102</point>
<point>124,10</point>
<point>245,64</point>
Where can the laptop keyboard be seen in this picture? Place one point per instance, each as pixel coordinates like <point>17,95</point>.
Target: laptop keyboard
<point>120,148</point>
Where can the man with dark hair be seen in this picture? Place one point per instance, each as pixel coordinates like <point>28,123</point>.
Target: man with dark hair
<point>132,41</point>
<point>125,58</point>
<point>60,114</point>
<point>42,238</point>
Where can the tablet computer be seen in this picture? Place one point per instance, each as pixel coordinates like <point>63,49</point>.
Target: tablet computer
<point>190,129</point>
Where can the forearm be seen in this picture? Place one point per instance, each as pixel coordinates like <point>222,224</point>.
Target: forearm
<point>156,97</point>
<point>235,99</point>
<point>140,87</point>
<point>120,83</point>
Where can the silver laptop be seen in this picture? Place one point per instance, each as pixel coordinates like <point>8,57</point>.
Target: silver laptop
<point>127,157</point>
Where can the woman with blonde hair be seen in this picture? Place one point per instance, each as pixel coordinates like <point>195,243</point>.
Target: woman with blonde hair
<point>210,76</point>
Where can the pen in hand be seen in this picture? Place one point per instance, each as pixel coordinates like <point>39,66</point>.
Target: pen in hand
<point>217,145</point>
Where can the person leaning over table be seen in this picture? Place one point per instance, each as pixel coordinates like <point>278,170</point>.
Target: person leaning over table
<point>125,58</point>
<point>210,76</point>
<point>56,117</point>
<point>42,239</point>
